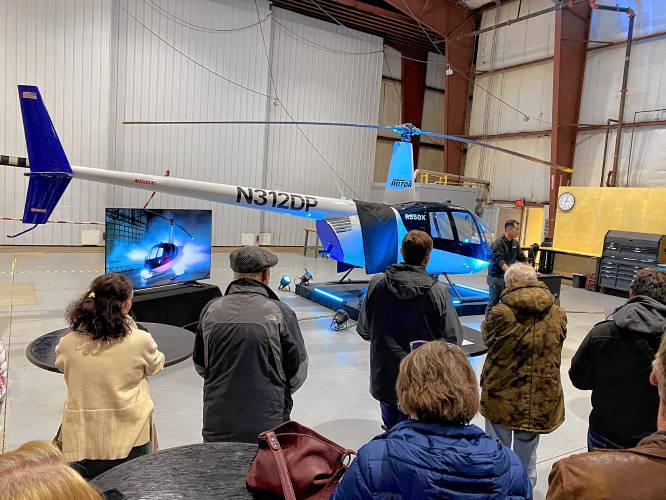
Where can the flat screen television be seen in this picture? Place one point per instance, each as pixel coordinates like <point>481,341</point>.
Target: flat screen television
<point>155,247</point>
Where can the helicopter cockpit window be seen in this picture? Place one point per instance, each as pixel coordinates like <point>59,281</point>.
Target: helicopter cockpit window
<point>160,251</point>
<point>440,226</point>
<point>467,230</point>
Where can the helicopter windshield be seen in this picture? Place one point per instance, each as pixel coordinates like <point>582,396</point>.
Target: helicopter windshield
<point>156,252</point>
<point>440,225</point>
<point>467,230</point>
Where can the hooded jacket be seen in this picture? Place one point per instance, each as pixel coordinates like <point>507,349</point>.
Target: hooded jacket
<point>403,305</point>
<point>420,460</point>
<point>250,352</point>
<point>614,362</point>
<point>520,381</point>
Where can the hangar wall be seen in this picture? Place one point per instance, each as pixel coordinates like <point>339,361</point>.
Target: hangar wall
<point>341,84</point>
<point>646,95</point>
<point>63,48</point>
<point>97,66</point>
<point>527,88</point>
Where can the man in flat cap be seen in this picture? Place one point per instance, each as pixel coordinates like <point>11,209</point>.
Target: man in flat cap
<point>250,352</point>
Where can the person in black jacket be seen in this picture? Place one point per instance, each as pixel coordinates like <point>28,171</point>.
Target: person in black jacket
<point>614,362</point>
<point>506,251</point>
<point>403,305</point>
<point>250,352</point>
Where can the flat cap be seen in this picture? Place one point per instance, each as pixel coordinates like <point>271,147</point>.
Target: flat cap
<point>251,259</point>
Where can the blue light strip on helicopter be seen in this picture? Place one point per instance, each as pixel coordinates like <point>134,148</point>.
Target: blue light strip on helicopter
<point>329,295</point>
<point>474,289</point>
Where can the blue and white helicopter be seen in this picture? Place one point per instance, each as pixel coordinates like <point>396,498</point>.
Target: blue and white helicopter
<point>355,233</point>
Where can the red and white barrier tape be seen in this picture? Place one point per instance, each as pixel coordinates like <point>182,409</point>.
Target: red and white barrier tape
<point>93,223</point>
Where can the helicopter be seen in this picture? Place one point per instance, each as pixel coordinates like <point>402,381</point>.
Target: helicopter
<point>355,233</point>
<point>163,257</point>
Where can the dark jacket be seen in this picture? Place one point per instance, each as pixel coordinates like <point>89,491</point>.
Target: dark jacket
<point>504,252</point>
<point>250,352</point>
<point>419,460</point>
<point>403,305</point>
<point>634,474</point>
<point>614,361</point>
<point>520,381</point>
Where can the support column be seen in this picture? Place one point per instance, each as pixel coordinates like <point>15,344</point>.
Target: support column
<point>459,55</point>
<point>572,27</point>
<point>446,18</point>
<point>412,86</point>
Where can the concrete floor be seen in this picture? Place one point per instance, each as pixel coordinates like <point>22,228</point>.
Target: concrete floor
<point>37,285</point>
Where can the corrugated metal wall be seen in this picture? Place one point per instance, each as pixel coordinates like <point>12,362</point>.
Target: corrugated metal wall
<point>154,82</point>
<point>529,89</point>
<point>63,47</point>
<point>313,84</point>
<point>101,63</point>
<point>647,92</point>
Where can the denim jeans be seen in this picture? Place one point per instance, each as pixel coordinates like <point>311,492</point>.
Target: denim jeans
<point>595,440</point>
<point>495,287</point>
<point>391,414</point>
<point>524,445</point>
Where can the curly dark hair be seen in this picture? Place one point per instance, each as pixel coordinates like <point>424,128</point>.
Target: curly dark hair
<point>650,282</point>
<point>97,313</point>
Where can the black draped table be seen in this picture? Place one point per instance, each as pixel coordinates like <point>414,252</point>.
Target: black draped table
<point>176,343</point>
<point>194,471</point>
<point>473,342</point>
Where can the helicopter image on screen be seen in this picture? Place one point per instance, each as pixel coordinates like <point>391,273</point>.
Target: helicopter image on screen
<point>355,233</point>
<point>164,257</point>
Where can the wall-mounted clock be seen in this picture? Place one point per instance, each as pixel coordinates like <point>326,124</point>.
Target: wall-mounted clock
<point>566,201</point>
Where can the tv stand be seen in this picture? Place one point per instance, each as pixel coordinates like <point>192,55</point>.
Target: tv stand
<point>179,304</point>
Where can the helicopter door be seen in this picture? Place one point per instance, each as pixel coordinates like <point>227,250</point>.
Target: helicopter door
<point>441,231</point>
<point>466,228</point>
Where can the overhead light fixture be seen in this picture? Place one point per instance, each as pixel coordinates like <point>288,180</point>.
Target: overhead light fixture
<point>340,320</point>
<point>285,283</point>
<point>305,278</point>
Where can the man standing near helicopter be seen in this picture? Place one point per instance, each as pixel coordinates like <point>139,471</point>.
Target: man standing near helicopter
<point>506,251</point>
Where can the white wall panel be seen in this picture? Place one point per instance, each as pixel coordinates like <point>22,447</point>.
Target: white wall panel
<point>316,85</point>
<point>611,26</point>
<point>648,158</point>
<point>154,82</point>
<point>512,178</point>
<point>603,80</point>
<point>529,89</point>
<point>517,43</point>
<point>391,63</point>
<point>435,72</point>
<point>62,47</point>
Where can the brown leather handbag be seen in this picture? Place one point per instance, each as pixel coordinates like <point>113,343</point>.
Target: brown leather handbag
<point>296,463</point>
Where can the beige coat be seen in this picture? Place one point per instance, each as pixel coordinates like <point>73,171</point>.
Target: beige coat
<point>108,409</point>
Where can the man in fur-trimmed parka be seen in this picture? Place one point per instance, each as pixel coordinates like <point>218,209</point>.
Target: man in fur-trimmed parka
<point>521,391</point>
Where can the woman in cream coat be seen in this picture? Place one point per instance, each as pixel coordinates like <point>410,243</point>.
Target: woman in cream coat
<point>106,360</point>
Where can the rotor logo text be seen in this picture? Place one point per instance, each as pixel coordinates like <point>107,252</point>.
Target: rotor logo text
<point>401,183</point>
<point>286,201</point>
<point>415,217</point>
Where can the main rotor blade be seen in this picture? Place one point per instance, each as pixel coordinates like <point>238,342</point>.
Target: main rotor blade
<point>395,129</point>
<point>496,148</point>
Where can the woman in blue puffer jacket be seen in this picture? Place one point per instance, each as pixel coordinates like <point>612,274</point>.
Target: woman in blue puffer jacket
<point>436,453</point>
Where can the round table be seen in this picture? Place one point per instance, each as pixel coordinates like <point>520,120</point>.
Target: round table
<point>474,345</point>
<point>196,471</point>
<point>176,343</point>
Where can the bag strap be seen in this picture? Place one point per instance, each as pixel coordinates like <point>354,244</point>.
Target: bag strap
<point>281,463</point>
